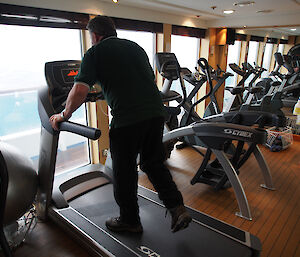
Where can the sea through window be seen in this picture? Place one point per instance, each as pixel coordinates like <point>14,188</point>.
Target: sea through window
<point>187,57</point>
<point>267,59</point>
<point>233,56</point>
<point>24,51</point>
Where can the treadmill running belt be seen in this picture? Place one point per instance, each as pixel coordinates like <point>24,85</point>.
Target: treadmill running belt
<point>157,238</point>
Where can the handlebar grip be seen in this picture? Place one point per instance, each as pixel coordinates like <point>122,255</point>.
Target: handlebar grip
<point>203,66</point>
<point>279,58</point>
<point>203,63</point>
<point>91,133</point>
<point>249,66</point>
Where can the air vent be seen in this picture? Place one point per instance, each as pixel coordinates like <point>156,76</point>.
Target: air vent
<point>243,4</point>
<point>264,11</point>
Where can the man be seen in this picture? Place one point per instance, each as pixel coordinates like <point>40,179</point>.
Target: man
<point>122,69</point>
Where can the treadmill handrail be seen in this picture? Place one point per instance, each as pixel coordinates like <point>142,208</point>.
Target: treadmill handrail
<point>46,110</point>
<point>79,129</point>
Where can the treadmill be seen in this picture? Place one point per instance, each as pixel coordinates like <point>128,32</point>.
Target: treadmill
<point>82,199</point>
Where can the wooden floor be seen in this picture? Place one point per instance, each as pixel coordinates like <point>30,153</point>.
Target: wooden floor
<point>276,214</point>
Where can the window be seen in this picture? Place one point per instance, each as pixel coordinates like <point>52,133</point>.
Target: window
<point>233,56</point>
<point>267,59</point>
<point>144,39</point>
<point>252,57</point>
<point>252,52</point>
<point>187,56</point>
<point>22,74</point>
<point>280,50</point>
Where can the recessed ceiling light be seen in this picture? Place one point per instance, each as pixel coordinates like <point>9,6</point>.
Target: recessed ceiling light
<point>228,11</point>
<point>245,3</point>
<point>293,29</point>
<point>115,1</point>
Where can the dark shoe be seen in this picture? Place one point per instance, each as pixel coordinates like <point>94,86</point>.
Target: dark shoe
<point>180,218</point>
<point>117,225</point>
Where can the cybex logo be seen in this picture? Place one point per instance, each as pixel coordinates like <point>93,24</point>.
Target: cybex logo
<point>148,251</point>
<point>238,133</point>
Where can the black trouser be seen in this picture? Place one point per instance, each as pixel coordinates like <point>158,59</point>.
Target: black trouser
<point>144,138</point>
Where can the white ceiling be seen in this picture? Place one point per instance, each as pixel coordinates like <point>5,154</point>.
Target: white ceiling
<point>282,15</point>
<point>293,30</point>
<point>275,12</point>
<point>205,10</point>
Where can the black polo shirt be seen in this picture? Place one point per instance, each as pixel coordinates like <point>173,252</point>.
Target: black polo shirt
<point>123,70</point>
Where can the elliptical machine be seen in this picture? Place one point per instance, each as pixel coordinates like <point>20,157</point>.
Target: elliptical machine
<point>272,101</point>
<point>220,77</point>
<point>237,92</point>
<point>290,91</point>
<point>214,172</point>
<point>18,187</point>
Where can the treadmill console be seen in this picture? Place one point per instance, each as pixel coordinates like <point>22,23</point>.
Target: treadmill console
<point>167,65</point>
<point>60,79</point>
<point>60,76</point>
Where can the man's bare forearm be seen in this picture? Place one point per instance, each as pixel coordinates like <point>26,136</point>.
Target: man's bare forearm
<point>75,99</point>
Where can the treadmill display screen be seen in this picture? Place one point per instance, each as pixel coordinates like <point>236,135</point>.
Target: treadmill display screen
<point>69,74</point>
